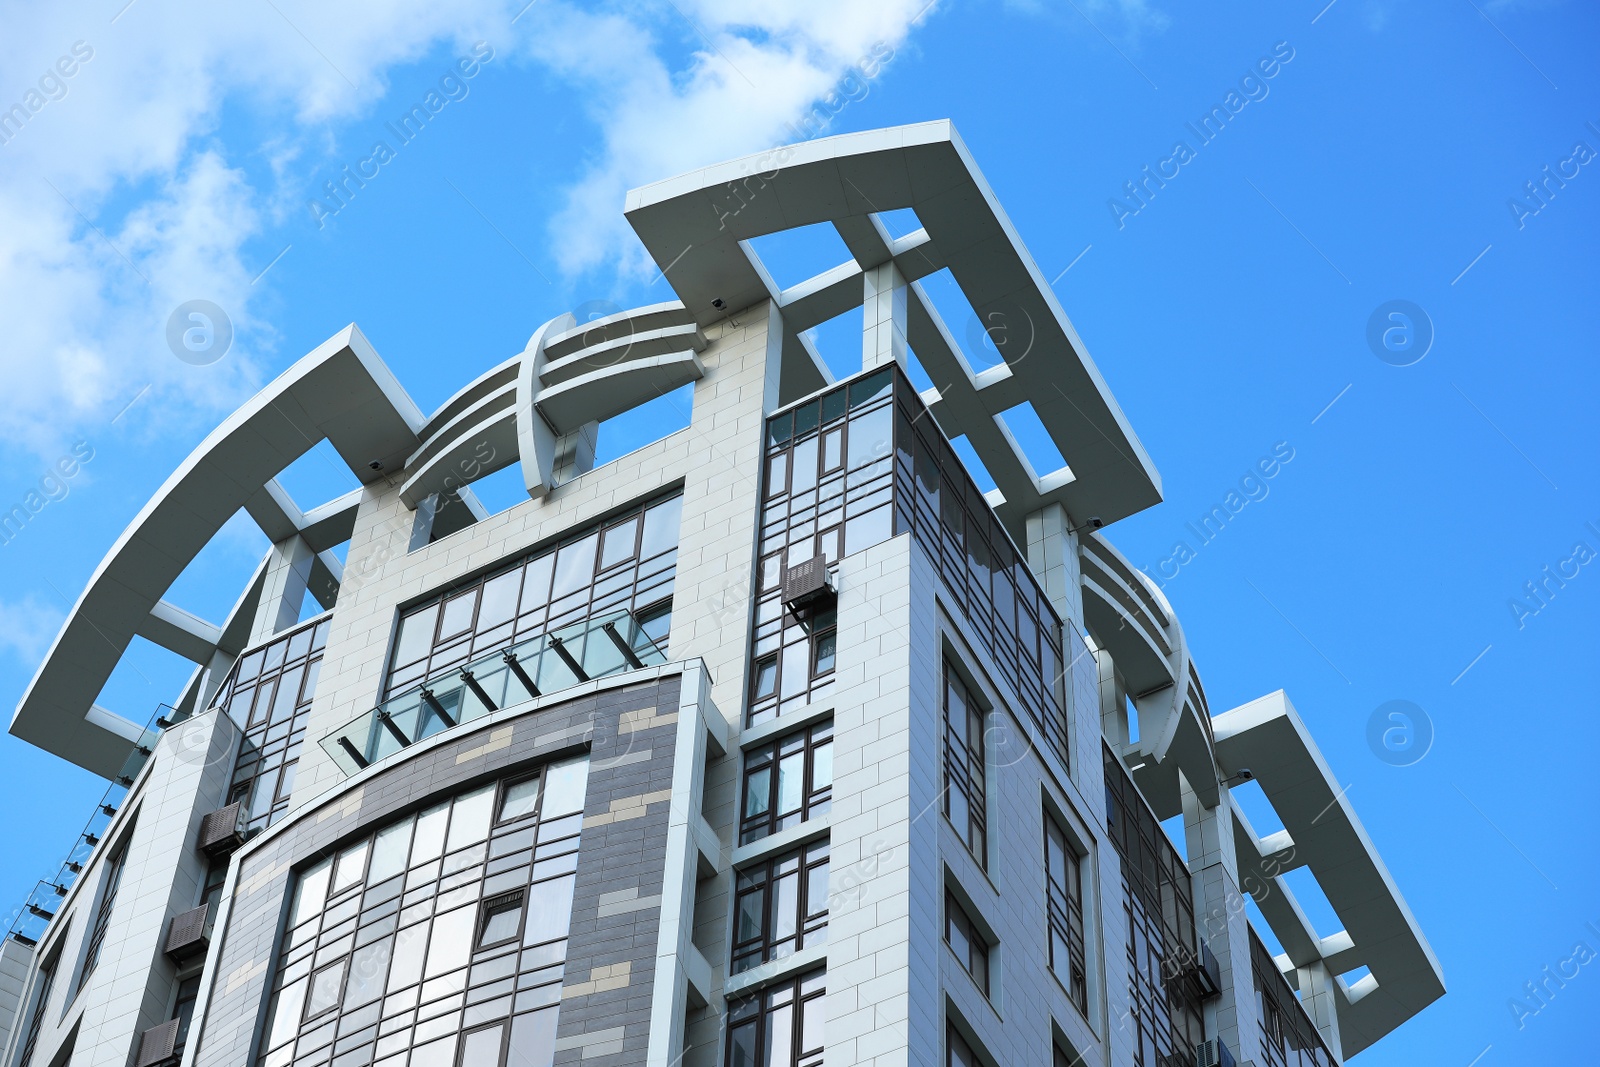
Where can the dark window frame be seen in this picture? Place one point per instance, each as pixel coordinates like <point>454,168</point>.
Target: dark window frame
<point>45,983</point>
<point>965,770</point>
<point>110,883</point>
<point>814,799</point>
<point>979,947</point>
<point>1064,913</point>
<point>809,922</point>
<point>491,906</point>
<point>762,1006</point>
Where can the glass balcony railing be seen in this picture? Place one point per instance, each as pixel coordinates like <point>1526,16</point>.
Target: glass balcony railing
<point>594,648</point>
<point>29,922</point>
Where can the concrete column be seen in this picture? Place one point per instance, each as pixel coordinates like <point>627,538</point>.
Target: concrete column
<point>575,452</point>
<point>1319,997</point>
<point>288,574</point>
<point>885,885</point>
<point>883,317</point>
<point>1053,556</point>
<point>1221,920</point>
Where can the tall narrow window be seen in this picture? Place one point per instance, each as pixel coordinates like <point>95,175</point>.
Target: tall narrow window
<point>957,1053</point>
<point>1064,905</point>
<point>46,982</point>
<point>102,915</point>
<point>965,940</point>
<point>964,802</point>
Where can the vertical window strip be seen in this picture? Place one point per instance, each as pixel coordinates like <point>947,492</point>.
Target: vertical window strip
<point>46,982</point>
<point>1064,906</point>
<point>102,915</point>
<point>966,941</point>
<point>965,804</point>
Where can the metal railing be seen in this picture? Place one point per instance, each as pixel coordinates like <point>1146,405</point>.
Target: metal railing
<point>30,921</point>
<point>594,648</point>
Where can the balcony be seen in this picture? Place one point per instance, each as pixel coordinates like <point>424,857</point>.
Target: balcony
<point>595,648</point>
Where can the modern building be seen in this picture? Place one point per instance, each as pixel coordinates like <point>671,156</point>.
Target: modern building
<point>773,742</point>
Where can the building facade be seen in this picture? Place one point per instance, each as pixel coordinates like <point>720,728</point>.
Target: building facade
<point>774,742</point>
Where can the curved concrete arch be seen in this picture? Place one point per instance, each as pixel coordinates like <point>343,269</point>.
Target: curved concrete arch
<point>342,392</point>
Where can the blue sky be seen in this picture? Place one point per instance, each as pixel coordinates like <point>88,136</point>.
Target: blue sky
<point>1229,314</point>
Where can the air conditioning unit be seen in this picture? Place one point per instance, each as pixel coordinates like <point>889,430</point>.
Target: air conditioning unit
<point>189,934</point>
<point>222,830</point>
<point>806,585</point>
<point>158,1046</point>
<point>1196,973</point>
<point>1214,1053</point>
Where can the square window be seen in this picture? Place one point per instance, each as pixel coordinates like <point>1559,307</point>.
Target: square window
<point>326,985</point>
<point>502,920</point>
<point>519,799</point>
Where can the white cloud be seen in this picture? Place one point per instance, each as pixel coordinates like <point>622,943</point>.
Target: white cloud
<point>121,195</point>
<point>756,68</point>
<point>27,627</point>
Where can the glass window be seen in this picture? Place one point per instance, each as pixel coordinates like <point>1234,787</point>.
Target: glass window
<point>352,865</point>
<point>781,1026</point>
<point>781,906</point>
<point>549,911</point>
<point>502,919</point>
<point>369,965</point>
<point>765,682</point>
<point>430,834</point>
<point>458,614</point>
<point>1064,907</point>
<point>964,939</point>
<point>469,821</point>
<point>441,1053</point>
<point>618,543</point>
<point>499,604</point>
<point>326,985</point>
<point>564,787</point>
<point>389,852</point>
<point>964,800</point>
<point>450,942</point>
<point>482,1047</point>
<point>286,1014</point>
<point>957,1052</point>
<point>519,799</point>
<point>787,782</point>
<point>111,880</point>
<point>410,948</point>
<point>574,567</point>
<point>312,893</point>
<point>661,525</point>
<point>533,1039</point>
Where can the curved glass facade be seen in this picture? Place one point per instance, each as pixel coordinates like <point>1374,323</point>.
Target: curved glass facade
<point>440,937</point>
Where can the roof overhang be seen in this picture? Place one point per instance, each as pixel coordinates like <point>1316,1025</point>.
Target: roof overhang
<point>1321,830</point>
<point>342,392</point>
<point>698,227</point>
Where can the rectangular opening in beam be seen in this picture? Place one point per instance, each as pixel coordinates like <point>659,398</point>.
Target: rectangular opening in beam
<point>1313,901</point>
<point>975,337</point>
<point>901,222</point>
<point>1027,429</point>
<point>792,256</point>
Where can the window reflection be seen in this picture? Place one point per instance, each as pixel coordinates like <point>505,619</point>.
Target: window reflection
<point>405,922</point>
